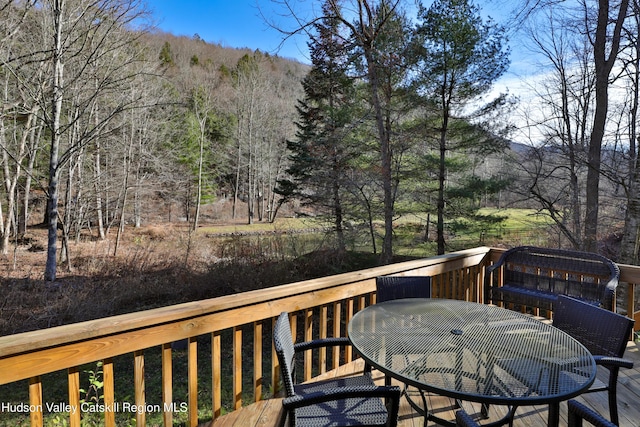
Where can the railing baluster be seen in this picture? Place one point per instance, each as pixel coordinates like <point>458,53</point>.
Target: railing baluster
<point>322,357</point>
<point>167,383</point>
<point>293,322</point>
<point>193,381</point>
<point>237,367</point>
<point>337,311</point>
<point>108,379</point>
<point>73,376</point>
<point>257,361</point>
<point>463,286</point>
<point>275,366</point>
<point>308,336</point>
<point>348,352</point>
<point>35,400</point>
<point>138,373</point>
<point>216,372</point>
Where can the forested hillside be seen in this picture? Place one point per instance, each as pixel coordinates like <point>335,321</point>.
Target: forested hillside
<point>107,123</point>
<point>103,126</point>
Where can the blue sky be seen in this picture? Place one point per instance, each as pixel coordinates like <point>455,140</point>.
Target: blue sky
<point>239,24</point>
<point>233,23</point>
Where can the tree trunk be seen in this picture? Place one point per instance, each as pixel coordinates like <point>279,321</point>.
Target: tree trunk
<point>196,217</point>
<point>442,177</point>
<point>58,93</point>
<point>385,154</point>
<point>97,177</point>
<point>603,66</point>
<point>125,190</point>
<point>34,136</point>
<point>337,207</point>
<point>630,243</point>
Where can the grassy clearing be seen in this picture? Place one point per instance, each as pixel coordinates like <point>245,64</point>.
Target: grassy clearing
<point>280,225</point>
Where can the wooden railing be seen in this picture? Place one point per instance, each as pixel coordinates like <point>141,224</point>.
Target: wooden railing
<point>233,330</point>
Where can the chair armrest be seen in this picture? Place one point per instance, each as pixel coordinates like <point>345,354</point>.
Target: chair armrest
<point>614,362</point>
<point>322,342</point>
<point>298,401</point>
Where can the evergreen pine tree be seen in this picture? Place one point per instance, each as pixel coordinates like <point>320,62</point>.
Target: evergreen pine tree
<point>460,58</point>
<point>320,153</point>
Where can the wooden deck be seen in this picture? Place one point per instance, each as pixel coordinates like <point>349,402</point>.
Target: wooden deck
<point>236,327</point>
<point>268,413</point>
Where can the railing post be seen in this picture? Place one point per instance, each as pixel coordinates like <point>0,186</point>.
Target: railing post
<point>216,369</point>
<point>257,361</point>
<point>237,367</point>
<point>308,336</point>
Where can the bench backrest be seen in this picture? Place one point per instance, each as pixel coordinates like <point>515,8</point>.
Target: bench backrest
<point>588,276</point>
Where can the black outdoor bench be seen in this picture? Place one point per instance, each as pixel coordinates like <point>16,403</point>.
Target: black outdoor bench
<point>535,277</point>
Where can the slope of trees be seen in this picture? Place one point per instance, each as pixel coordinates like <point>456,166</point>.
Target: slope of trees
<point>104,121</point>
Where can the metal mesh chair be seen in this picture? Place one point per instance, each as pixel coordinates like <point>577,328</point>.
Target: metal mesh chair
<point>351,401</point>
<point>604,333</point>
<point>396,287</point>
<point>579,412</point>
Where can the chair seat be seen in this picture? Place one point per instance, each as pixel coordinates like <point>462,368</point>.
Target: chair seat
<point>306,388</point>
<point>345,412</point>
<point>354,411</point>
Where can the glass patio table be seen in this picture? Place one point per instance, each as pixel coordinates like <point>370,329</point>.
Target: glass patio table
<point>472,352</point>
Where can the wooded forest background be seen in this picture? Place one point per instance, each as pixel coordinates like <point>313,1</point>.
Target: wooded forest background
<point>105,122</point>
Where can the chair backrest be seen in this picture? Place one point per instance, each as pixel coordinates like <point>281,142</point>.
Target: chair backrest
<point>602,332</point>
<point>396,287</point>
<point>283,343</point>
